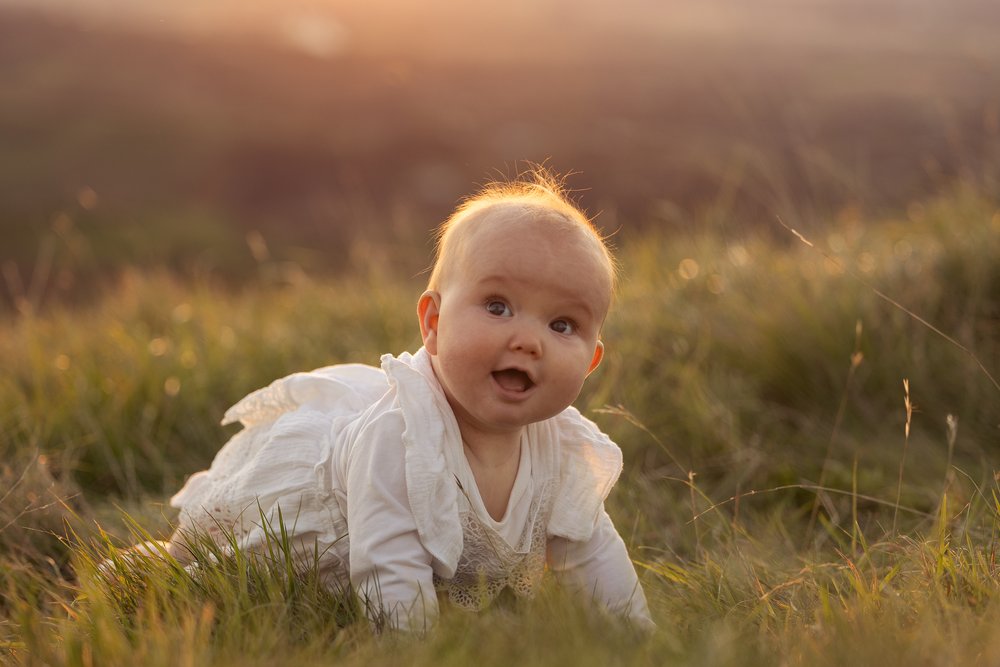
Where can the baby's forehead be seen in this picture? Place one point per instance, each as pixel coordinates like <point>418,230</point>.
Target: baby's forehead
<point>517,231</point>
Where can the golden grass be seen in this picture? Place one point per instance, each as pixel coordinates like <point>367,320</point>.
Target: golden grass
<point>753,387</point>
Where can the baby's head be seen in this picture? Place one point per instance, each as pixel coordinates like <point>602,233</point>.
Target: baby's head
<point>540,200</point>
<point>520,287</point>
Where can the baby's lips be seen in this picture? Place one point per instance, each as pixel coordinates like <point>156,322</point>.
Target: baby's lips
<point>513,379</point>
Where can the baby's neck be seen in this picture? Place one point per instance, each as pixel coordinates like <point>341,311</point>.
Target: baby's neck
<point>494,462</point>
<point>491,450</point>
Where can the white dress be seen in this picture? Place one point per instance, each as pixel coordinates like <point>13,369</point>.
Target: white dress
<point>365,467</point>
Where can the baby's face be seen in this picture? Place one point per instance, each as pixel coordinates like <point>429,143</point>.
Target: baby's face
<point>513,332</point>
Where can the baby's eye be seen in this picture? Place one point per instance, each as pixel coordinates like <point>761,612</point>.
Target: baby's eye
<point>563,327</point>
<point>498,308</point>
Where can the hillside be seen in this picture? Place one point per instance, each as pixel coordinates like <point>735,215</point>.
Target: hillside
<point>231,131</point>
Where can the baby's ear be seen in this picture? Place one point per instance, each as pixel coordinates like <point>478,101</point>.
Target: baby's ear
<point>598,355</point>
<point>428,309</point>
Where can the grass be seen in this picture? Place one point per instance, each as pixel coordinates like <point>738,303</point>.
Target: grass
<point>786,500</point>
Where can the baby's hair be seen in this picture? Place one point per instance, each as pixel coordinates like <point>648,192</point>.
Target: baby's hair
<point>538,191</point>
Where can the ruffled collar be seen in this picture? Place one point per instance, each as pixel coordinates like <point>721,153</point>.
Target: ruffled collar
<point>430,485</point>
<point>582,461</point>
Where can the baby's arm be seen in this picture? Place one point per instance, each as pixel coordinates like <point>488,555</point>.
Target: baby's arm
<point>600,569</point>
<point>390,568</point>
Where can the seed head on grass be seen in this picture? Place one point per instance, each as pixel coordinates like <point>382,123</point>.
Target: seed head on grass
<point>906,441</point>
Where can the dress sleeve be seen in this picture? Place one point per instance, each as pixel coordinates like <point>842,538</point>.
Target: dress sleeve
<point>589,465</point>
<point>600,569</point>
<point>390,569</point>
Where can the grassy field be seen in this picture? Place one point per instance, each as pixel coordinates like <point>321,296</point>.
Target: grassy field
<point>810,472</point>
<point>197,197</point>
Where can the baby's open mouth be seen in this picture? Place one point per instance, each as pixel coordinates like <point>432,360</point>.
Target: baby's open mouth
<point>513,379</point>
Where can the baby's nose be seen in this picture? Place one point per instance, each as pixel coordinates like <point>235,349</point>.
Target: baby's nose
<point>526,340</point>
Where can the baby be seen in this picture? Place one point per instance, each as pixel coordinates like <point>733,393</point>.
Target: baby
<point>459,471</point>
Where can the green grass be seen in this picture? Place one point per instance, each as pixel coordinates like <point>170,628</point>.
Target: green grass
<point>755,386</point>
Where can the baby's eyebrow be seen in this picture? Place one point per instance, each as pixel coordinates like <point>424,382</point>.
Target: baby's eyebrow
<point>572,302</point>
<point>580,304</point>
<point>494,278</point>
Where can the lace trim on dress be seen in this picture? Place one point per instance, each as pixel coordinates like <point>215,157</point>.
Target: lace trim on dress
<point>488,564</point>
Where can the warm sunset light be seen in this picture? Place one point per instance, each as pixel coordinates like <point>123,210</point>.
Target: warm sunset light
<point>532,332</point>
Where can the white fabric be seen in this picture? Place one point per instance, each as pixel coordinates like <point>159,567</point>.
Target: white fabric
<point>600,569</point>
<point>366,467</point>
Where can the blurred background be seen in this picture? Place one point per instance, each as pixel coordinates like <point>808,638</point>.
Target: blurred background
<point>205,135</point>
<point>200,196</point>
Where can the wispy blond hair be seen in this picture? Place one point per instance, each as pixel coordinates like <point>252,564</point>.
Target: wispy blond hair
<point>538,193</point>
